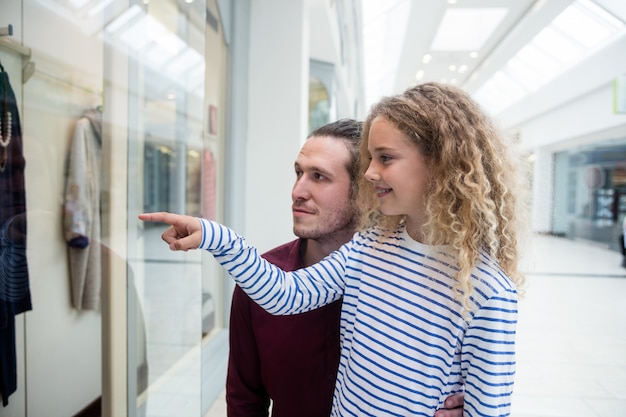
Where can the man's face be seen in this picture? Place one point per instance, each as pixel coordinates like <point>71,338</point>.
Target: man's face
<point>321,195</point>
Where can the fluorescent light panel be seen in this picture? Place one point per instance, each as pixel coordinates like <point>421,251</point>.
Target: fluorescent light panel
<point>467,29</point>
<point>573,35</point>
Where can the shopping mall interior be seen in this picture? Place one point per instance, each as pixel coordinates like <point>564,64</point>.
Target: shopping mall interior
<point>201,107</point>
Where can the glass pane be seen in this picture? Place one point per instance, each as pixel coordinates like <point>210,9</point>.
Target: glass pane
<point>215,297</point>
<point>165,126</point>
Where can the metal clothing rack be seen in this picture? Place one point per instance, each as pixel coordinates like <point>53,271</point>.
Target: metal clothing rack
<point>11,45</point>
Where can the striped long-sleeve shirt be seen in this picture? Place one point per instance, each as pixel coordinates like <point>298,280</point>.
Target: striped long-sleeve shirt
<point>405,346</point>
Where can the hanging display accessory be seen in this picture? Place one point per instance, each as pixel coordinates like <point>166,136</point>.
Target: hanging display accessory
<point>5,124</point>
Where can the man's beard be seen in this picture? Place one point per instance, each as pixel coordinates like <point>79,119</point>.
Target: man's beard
<point>342,223</point>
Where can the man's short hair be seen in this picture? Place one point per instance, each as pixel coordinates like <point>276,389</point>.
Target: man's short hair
<point>348,130</point>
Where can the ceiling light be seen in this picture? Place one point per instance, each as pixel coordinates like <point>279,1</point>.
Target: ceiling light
<point>427,58</point>
<point>419,75</point>
<point>452,67</point>
<point>467,29</point>
<point>462,69</point>
<point>474,54</point>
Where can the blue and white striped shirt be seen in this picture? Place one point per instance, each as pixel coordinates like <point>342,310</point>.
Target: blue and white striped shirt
<point>405,346</point>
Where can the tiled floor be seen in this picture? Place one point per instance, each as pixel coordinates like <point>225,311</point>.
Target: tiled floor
<point>571,334</point>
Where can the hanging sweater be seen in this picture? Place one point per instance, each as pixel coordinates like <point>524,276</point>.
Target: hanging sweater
<point>82,212</point>
<point>405,346</point>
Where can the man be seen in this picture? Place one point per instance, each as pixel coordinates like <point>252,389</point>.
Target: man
<point>291,361</point>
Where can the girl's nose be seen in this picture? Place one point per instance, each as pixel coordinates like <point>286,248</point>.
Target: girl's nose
<point>371,174</point>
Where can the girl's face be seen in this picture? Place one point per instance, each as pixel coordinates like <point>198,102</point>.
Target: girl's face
<point>398,172</point>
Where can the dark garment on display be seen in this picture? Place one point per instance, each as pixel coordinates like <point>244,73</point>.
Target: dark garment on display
<point>291,360</point>
<point>14,286</point>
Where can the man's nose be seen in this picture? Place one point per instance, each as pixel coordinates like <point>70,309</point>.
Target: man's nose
<point>301,190</point>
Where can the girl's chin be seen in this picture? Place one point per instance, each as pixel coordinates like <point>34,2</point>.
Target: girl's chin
<point>387,211</point>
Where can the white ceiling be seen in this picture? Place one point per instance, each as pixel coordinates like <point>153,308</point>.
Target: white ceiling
<point>399,33</point>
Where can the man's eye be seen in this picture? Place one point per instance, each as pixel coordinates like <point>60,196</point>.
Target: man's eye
<point>318,177</point>
<point>298,173</point>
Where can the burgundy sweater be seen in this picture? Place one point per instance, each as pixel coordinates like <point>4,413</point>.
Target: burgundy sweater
<point>291,360</point>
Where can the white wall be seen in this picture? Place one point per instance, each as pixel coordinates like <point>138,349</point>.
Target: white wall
<point>283,36</point>
<point>277,116</point>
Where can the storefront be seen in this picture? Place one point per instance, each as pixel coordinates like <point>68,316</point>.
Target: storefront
<point>590,192</point>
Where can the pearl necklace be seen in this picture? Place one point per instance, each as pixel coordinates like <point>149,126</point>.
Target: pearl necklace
<point>5,126</point>
<point>5,140</point>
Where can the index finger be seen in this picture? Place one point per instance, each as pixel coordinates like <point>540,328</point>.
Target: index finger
<point>161,217</point>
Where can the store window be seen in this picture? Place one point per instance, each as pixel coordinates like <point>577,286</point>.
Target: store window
<point>590,193</point>
<point>175,150</point>
<point>121,105</point>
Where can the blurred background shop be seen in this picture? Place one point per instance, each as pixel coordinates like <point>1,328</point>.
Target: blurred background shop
<point>200,106</point>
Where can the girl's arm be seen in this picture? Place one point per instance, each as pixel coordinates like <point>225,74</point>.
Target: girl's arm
<point>275,290</point>
<point>488,356</point>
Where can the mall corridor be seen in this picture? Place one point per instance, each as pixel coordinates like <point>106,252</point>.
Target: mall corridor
<point>571,334</point>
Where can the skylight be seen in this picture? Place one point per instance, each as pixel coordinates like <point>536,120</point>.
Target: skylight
<point>466,29</point>
<point>578,31</point>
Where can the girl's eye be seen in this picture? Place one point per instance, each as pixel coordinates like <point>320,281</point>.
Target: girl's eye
<point>385,158</point>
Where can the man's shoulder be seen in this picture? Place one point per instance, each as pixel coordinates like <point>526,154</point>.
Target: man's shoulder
<point>285,255</point>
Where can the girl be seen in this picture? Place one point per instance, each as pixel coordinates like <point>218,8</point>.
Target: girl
<point>429,283</point>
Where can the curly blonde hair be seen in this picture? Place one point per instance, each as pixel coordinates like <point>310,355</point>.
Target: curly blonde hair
<point>474,197</point>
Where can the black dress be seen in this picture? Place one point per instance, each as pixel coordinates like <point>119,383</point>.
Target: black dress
<point>14,287</point>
